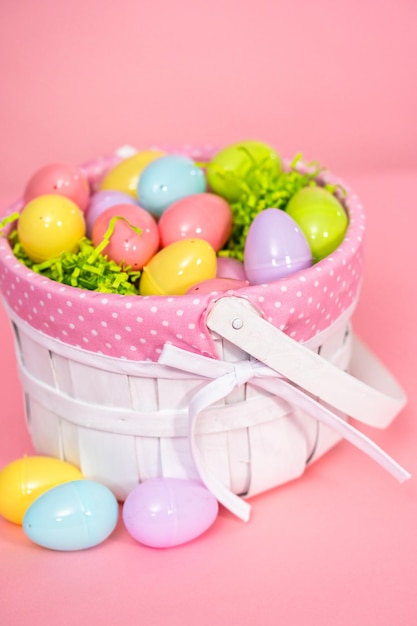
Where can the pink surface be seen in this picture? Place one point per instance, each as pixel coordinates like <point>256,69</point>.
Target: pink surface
<point>81,77</point>
<point>335,81</point>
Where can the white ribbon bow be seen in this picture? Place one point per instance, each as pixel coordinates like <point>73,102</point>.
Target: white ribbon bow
<point>224,377</point>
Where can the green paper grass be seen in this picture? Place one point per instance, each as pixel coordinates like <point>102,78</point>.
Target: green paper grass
<point>262,190</point>
<point>86,269</point>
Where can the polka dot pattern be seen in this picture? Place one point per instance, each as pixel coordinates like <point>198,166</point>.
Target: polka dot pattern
<point>136,328</point>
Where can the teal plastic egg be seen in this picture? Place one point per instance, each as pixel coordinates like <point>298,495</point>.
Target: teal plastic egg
<point>168,179</point>
<point>72,516</point>
<point>321,217</point>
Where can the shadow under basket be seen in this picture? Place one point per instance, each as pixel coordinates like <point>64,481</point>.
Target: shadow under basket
<point>240,390</point>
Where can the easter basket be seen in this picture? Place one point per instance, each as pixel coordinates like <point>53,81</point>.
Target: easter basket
<point>240,390</point>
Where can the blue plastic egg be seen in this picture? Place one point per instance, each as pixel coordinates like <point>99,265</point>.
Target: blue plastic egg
<point>168,179</point>
<point>166,512</point>
<point>72,516</point>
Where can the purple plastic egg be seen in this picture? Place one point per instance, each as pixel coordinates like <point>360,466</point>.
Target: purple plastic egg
<point>275,247</point>
<point>166,512</point>
<point>100,202</point>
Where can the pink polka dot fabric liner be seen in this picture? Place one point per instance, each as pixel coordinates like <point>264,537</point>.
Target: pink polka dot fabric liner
<point>136,328</point>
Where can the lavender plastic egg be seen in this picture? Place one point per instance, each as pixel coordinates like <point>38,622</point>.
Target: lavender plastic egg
<point>166,512</point>
<point>100,202</point>
<point>275,247</point>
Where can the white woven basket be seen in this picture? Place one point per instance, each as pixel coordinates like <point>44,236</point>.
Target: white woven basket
<point>244,422</point>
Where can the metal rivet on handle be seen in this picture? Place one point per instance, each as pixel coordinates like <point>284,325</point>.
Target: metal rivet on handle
<point>237,323</point>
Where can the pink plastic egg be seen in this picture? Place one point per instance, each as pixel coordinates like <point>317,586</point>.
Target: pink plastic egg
<point>100,202</point>
<point>227,267</point>
<point>60,179</point>
<point>275,247</point>
<point>166,512</point>
<point>217,284</point>
<point>127,247</point>
<point>202,215</point>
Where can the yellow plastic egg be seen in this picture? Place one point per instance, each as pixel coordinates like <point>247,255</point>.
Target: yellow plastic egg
<point>179,266</point>
<point>125,175</point>
<point>50,225</point>
<point>22,481</point>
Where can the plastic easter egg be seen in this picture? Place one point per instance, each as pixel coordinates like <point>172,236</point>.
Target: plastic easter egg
<point>174,269</point>
<point>126,246</point>
<point>100,202</point>
<point>167,512</point>
<point>202,215</point>
<point>229,167</point>
<point>168,179</point>
<point>125,175</point>
<point>275,247</point>
<point>227,267</point>
<point>61,179</point>
<point>50,225</point>
<point>73,516</point>
<point>217,284</point>
<point>25,479</point>
<point>321,217</point>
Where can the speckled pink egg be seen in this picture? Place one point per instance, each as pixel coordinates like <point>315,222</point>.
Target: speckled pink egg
<point>218,285</point>
<point>127,247</point>
<point>60,179</point>
<point>227,267</point>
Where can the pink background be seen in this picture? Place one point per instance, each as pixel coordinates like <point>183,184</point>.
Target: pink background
<point>335,81</point>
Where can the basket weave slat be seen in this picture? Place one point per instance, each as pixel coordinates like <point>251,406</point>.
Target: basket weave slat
<point>98,409</point>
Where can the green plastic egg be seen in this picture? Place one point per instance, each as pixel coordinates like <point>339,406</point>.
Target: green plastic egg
<point>321,217</point>
<point>230,167</point>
